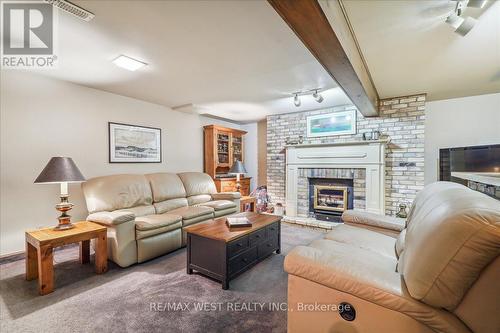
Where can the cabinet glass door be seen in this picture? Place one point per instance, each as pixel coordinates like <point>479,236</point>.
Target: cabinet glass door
<point>223,143</point>
<point>237,146</point>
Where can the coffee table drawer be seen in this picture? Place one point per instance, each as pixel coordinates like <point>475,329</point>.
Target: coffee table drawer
<point>237,246</point>
<point>272,229</point>
<point>267,247</point>
<point>257,236</point>
<point>242,260</point>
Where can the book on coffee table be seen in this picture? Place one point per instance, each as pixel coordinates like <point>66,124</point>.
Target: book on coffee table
<point>238,222</point>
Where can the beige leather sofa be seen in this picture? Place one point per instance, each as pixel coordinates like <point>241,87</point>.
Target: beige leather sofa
<point>441,274</point>
<point>145,214</point>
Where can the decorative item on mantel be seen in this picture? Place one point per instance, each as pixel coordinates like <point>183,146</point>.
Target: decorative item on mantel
<point>61,170</point>
<point>374,135</point>
<point>402,211</point>
<point>279,209</point>
<point>291,142</point>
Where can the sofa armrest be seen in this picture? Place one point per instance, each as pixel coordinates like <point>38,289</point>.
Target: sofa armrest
<point>226,196</point>
<point>111,218</point>
<point>374,220</point>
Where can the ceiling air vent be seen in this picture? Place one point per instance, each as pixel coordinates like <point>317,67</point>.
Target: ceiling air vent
<point>72,9</point>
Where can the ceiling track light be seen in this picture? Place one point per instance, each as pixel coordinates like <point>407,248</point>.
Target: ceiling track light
<point>477,3</point>
<point>466,26</point>
<point>296,100</point>
<point>463,25</point>
<point>317,96</point>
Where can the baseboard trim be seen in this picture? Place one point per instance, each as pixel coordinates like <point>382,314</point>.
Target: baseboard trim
<point>11,257</point>
<point>20,255</point>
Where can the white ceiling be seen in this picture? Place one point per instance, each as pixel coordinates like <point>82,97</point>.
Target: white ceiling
<point>409,49</point>
<point>232,59</point>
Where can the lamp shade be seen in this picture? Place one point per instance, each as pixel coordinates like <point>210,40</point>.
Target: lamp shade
<point>238,168</point>
<point>60,170</point>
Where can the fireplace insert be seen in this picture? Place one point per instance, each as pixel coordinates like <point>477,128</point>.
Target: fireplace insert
<point>329,198</point>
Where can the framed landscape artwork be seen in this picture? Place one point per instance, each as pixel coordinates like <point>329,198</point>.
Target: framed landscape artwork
<point>335,123</point>
<point>134,144</point>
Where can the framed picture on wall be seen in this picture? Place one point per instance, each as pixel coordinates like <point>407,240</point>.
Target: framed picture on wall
<point>335,123</point>
<point>134,144</point>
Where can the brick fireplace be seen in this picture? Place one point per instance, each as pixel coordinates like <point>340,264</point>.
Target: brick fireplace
<point>357,166</point>
<point>401,119</point>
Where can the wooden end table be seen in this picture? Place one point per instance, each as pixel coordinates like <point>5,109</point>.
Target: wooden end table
<point>247,200</point>
<point>40,243</point>
<point>222,253</point>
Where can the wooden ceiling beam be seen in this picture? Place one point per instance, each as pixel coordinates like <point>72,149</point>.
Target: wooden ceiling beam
<point>307,19</point>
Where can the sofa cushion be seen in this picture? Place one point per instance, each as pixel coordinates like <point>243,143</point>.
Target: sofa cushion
<point>331,247</point>
<point>447,248</point>
<point>166,186</point>
<point>155,221</point>
<point>219,204</point>
<point>201,218</point>
<point>115,192</point>
<point>364,239</point>
<point>168,205</point>
<point>199,199</point>
<point>151,225</point>
<point>197,183</point>
<point>141,234</point>
<point>139,210</point>
<point>191,212</point>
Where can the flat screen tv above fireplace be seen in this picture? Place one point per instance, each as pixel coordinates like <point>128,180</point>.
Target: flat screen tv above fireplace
<point>468,159</point>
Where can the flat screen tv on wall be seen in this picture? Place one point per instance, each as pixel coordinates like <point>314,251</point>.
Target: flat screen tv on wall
<point>468,159</point>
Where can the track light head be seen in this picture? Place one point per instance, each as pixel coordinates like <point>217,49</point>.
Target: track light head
<point>317,96</point>
<point>454,20</point>
<point>466,26</point>
<point>296,100</point>
<point>477,3</point>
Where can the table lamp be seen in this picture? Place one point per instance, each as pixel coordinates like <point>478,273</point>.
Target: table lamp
<point>238,169</point>
<point>61,170</point>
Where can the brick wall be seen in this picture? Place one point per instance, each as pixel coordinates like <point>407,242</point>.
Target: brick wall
<point>400,118</point>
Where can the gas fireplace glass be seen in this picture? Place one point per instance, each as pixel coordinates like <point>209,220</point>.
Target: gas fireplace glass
<point>332,198</point>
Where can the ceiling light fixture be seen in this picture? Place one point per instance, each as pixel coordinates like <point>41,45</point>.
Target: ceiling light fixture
<point>454,20</point>
<point>317,96</point>
<point>296,100</point>
<point>466,26</point>
<point>128,63</point>
<point>463,25</point>
<point>477,3</point>
<point>72,9</point>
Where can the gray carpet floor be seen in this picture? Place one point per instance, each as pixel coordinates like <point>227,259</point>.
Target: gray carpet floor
<point>135,299</point>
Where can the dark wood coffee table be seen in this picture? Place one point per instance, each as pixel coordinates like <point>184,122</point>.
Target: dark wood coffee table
<point>222,253</point>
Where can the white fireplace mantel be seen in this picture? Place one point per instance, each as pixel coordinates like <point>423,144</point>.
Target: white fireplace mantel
<point>368,155</point>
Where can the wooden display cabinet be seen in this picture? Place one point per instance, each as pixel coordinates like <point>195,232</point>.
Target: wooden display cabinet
<point>223,146</point>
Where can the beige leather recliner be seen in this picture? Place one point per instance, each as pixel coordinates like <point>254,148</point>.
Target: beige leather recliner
<point>441,274</point>
<point>145,214</point>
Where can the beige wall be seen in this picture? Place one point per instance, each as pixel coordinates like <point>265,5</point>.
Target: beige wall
<point>459,122</point>
<point>42,117</point>
<point>262,152</point>
<point>251,153</point>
